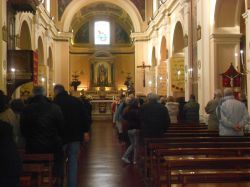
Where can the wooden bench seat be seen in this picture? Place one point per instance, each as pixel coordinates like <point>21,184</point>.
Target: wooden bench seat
<point>153,147</point>
<point>41,165</point>
<point>182,153</point>
<point>218,164</point>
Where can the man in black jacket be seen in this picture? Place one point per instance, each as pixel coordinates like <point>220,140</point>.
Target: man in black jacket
<point>154,118</point>
<point>10,162</point>
<point>41,125</point>
<point>75,128</point>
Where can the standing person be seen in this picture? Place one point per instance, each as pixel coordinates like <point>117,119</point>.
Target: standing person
<point>173,109</point>
<point>191,111</point>
<point>243,98</point>
<point>130,115</point>
<point>75,129</point>
<point>88,108</point>
<point>41,126</point>
<point>17,105</point>
<point>10,162</point>
<point>213,122</point>
<point>233,115</point>
<point>154,117</point>
<point>118,117</point>
<point>114,107</point>
<point>181,116</point>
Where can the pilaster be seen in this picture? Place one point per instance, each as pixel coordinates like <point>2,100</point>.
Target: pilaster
<point>246,16</point>
<point>187,60</point>
<point>3,44</point>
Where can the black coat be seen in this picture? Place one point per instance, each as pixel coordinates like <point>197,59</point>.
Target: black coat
<point>41,125</point>
<point>10,162</point>
<point>154,119</point>
<point>75,117</point>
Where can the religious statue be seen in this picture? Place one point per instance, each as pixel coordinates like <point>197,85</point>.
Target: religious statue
<point>102,75</point>
<point>75,82</point>
<point>130,85</point>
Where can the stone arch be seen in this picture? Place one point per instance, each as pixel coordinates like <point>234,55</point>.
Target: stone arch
<point>76,5</point>
<point>228,13</point>
<point>176,70</point>
<point>153,58</point>
<point>164,51</point>
<point>178,38</point>
<point>25,38</point>
<point>40,51</point>
<point>50,71</point>
<point>50,59</point>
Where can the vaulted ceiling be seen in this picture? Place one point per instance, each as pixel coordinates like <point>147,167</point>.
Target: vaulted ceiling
<point>102,11</point>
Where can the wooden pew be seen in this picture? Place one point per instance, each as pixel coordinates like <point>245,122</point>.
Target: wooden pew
<point>161,154</point>
<point>41,165</point>
<point>184,131</point>
<point>214,167</point>
<point>191,134</point>
<point>171,127</point>
<point>153,144</point>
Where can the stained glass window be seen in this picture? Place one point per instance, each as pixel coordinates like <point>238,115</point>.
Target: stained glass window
<point>102,33</point>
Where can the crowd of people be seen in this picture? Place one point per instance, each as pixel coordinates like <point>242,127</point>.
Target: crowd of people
<point>59,126</point>
<point>40,125</point>
<point>136,120</point>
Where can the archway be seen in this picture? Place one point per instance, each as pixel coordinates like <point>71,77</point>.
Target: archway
<point>76,5</point>
<point>177,78</point>
<point>42,68</point>
<point>152,83</point>
<point>162,69</point>
<point>229,28</point>
<point>24,91</point>
<point>51,72</point>
<point>25,38</point>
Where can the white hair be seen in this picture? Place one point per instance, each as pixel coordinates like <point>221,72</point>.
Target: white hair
<point>228,92</point>
<point>218,93</point>
<point>152,97</point>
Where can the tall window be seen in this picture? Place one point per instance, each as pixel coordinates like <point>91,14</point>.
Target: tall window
<point>102,33</point>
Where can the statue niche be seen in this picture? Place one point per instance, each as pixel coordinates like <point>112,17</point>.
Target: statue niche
<point>102,75</point>
<point>102,70</point>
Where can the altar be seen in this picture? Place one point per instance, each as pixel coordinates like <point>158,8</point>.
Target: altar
<point>101,109</point>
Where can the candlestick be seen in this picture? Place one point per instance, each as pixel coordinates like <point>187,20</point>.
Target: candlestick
<point>241,56</point>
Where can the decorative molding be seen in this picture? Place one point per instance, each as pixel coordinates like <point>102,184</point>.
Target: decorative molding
<point>4,33</point>
<point>185,40</point>
<point>198,32</point>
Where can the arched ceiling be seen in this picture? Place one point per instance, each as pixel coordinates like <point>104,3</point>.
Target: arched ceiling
<point>100,11</point>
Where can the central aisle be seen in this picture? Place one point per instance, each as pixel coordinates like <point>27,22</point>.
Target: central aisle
<point>100,164</point>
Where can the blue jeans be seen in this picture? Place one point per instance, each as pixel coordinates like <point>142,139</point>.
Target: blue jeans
<point>72,151</point>
<point>133,138</point>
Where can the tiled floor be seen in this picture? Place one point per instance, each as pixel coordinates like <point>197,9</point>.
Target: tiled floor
<point>100,163</point>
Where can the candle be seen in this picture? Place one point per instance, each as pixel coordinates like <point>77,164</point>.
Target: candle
<point>241,56</point>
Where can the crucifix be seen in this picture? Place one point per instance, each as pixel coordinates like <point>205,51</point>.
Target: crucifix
<point>143,66</point>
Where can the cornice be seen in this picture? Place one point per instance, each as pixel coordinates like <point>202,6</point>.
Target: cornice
<point>49,25</point>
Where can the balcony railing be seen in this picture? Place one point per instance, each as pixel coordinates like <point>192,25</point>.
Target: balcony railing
<point>25,5</point>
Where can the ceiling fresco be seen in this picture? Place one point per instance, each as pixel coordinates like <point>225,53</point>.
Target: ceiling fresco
<point>62,5</point>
